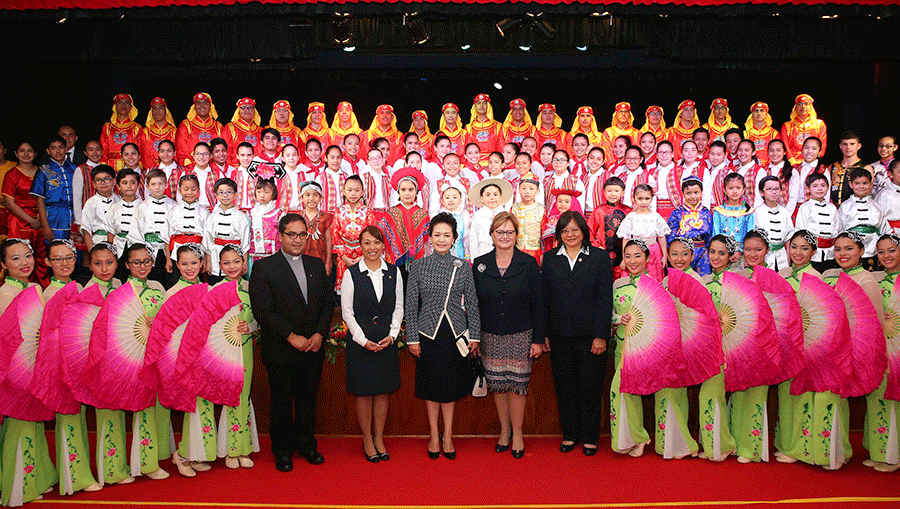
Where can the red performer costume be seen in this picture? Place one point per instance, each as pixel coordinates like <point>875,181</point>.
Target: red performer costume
<point>803,124</point>
<point>586,123</point>
<point>451,128</point>
<point>622,125</point>
<point>659,130</point>
<point>759,130</point>
<point>517,125</point>
<point>384,125</point>
<point>426,139</point>
<point>719,123</point>
<point>244,127</point>
<point>683,127</point>
<point>344,123</point>
<point>346,226</point>
<point>549,130</point>
<point>160,126</point>
<point>405,227</point>
<point>120,129</point>
<point>317,127</point>
<point>484,130</point>
<point>17,186</point>
<point>282,120</point>
<point>200,125</point>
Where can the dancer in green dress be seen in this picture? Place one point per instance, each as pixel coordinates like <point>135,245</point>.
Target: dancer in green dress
<point>72,451</point>
<point>626,410</point>
<point>715,436</point>
<point>883,415</point>
<point>28,471</point>
<point>792,440</point>
<point>673,437</point>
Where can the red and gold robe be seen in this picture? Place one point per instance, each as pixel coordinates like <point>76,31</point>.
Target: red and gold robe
<point>487,134</point>
<point>555,135</point>
<point>114,135</point>
<point>324,134</point>
<point>795,132</point>
<point>153,134</point>
<point>346,226</point>
<point>678,134</point>
<point>511,133</point>
<point>192,132</point>
<point>392,135</point>
<point>459,138</point>
<point>761,139</point>
<point>238,132</point>
<point>290,135</point>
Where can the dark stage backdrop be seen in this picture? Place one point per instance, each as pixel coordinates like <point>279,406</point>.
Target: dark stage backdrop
<point>857,96</point>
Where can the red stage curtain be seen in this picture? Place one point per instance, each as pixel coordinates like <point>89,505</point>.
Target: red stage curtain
<point>113,4</point>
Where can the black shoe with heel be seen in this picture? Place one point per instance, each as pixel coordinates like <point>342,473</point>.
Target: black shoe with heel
<point>502,448</point>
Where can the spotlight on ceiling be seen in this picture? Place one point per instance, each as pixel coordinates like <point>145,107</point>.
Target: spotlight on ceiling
<point>349,49</point>
<point>507,24</point>
<point>465,47</point>
<point>341,29</point>
<point>498,86</point>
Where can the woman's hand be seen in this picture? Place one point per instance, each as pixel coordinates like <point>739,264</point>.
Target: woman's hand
<point>598,346</point>
<point>546,346</point>
<point>474,348</point>
<point>34,222</point>
<point>735,257</point>
<point>347,260</point>
<point>48,233</point>
<point>624,319</point>
<point>386,342</point>
<point>243,328</point>
<point>169,265</point>
<point>415,349</point>
<point>372,347</point>
<point>536,350</point>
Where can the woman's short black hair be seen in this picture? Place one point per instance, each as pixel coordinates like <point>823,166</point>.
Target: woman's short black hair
<point>443,218</point>
<point>566,218</point>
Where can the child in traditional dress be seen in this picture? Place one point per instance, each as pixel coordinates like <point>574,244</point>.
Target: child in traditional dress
<point>578,164</point>
<point>627,408</point>
<point>318,224</point>
<point>665,166</point>
<point>809,165</point>
<point>494,166</point>
<point>332,180</point>
<point>122,221</point>
<point>352,163</point>
<point>96,208</point>
<point>72,450</point>
<point>225,225</point>
<point>605,221</point>
<point>349,221</point>
<point>861,214</point>
<point>634,174</point>
<point>313,162</point>
<point>187,220</point>
<point>405,224</point>
<point>791,433</point>
<point>713,188</point>
<point>694,221</point>
<point>880,436</point>
<point>289,184</point>
<point>152,214</point>
<point>644,224</point>
<point>264,217</point>
<point>530,214</point>
<point>377,184</point>
<point>472,158</point>
<point>563,200</point>
<point>24,442</point>
<point>819,216</point>
<point>889,197</point>
<point>451,203</point>
<point>194,454</point>
<point>672,403</point>
<point>775,220</point>
<point>451,176</point>
<point>491,196</point>
<point>560,178</point>
<point>715,435</point>
<point>523,171</point>
<point>746,165</point>
<point>131,158</point>
<point>735,218</point>
<point>779,167</point>
<point>246,181</point>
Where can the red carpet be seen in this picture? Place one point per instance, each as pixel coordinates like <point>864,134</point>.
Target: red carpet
<point>480,478</point>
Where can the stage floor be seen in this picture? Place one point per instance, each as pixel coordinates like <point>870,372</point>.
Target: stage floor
<point>480,478</point>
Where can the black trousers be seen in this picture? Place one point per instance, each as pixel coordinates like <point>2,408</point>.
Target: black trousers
<point>294,389</point>
<point>579,378</point>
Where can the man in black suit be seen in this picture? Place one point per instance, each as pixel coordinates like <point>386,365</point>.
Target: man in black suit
<point>67,133</point>
<point>293,304</point>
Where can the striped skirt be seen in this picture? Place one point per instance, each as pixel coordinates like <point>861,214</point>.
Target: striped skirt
<point>507,361</point>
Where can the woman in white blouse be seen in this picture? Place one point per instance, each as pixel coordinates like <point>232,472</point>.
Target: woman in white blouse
<point>372,307</point>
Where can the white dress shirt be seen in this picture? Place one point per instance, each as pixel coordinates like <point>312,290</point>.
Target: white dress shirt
<point>821,219</point>
<point>777,223</point>
<point>377,277</point>
<point>184,219</point>
<point>231,225</point>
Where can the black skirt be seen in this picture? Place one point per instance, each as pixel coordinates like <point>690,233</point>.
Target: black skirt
<point>372,373</point>
<point>442,374</point>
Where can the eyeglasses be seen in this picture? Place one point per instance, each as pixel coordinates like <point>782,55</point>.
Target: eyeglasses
<point>65,259</point>
<point>141,263</point>
<point>296,235</point>
<point>559,160</point>
<point>633,158</point>
<point>505,233</point>
<point>226,192</point>
<point>103,180</point>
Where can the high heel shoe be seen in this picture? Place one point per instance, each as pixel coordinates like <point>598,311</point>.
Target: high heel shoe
<point>450,455</point>
<point>375,458</point>
<point>567,447</point>
<point>382,456</point>
<point>502,448</point>
<point>435,455</point>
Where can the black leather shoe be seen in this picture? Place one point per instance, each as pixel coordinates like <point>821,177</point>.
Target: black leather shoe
<point>383,456</point>
<point>450,455</point>
<point>567,447</point>
<point>284,463</point>
<point>502,448</point>
<point>589,451</point>
<point>434,455</point>
<point>313,456</point>
<point>518,454</point>
<point>375,458</point>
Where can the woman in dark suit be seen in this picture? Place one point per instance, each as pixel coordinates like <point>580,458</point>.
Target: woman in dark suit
<point>372,308</point>
<point>510,298</point>
<point>443,328</point>
<point>578,287</point>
